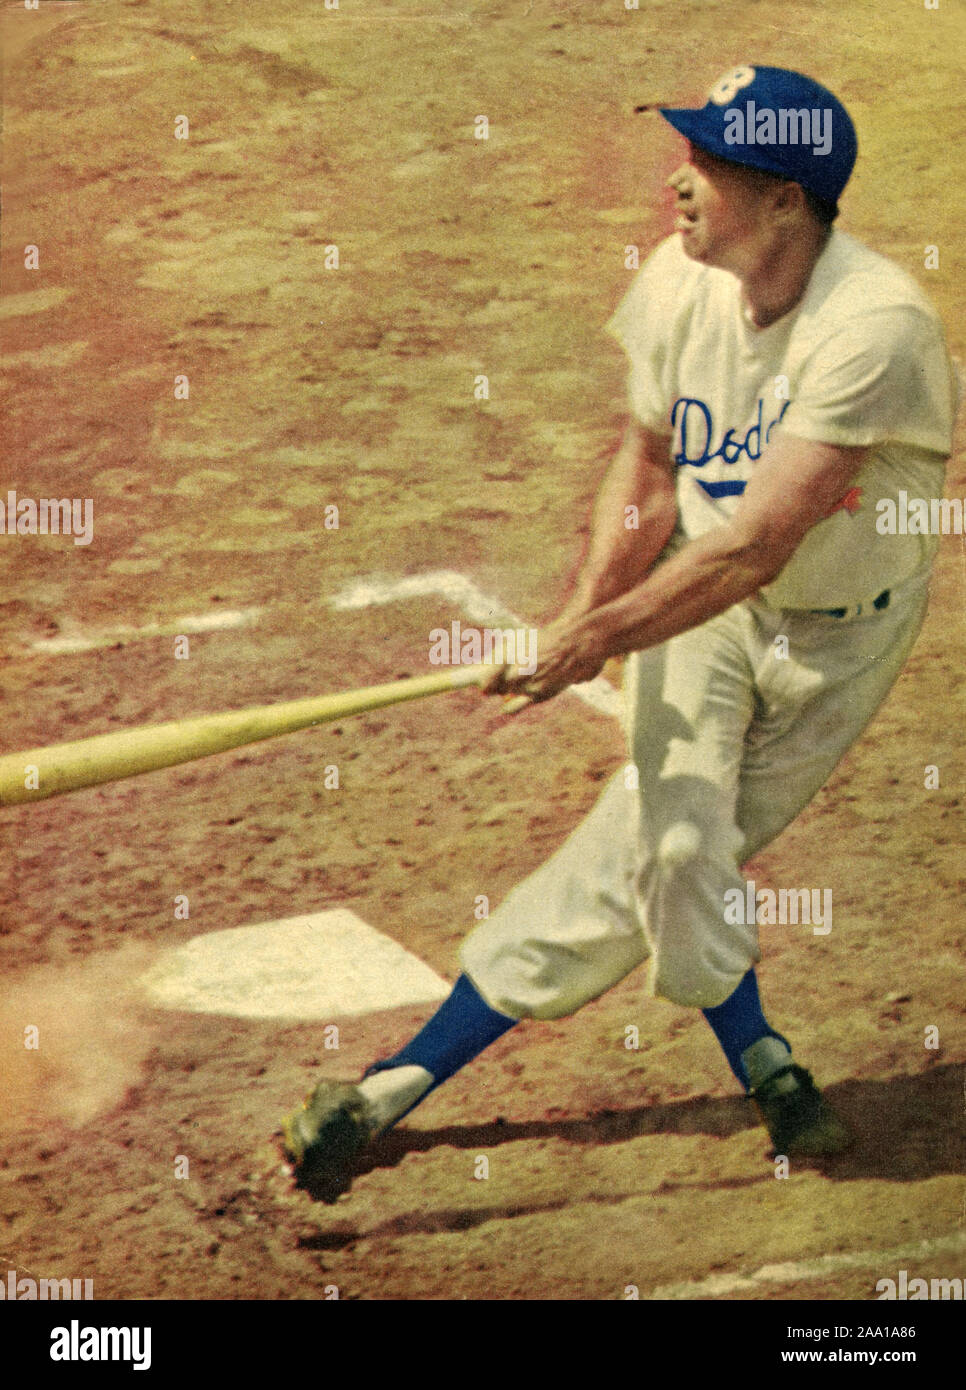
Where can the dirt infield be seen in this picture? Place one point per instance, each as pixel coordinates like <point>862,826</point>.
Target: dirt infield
<point>312,387</point>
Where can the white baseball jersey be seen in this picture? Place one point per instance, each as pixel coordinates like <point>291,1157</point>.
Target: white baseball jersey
<point>729,742</point>
<point>860,360</point>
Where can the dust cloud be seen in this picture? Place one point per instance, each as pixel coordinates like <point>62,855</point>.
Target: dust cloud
<point>73,1038</point>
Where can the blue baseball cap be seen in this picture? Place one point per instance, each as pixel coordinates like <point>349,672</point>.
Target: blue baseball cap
<point>778,121</point>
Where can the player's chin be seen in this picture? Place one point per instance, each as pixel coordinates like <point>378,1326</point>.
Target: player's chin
<point>691,244</point>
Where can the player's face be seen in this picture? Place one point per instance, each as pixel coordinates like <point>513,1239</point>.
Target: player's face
<point>720,211</point>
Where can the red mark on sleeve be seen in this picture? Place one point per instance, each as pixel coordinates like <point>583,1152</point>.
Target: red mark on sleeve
<point>852,501</point>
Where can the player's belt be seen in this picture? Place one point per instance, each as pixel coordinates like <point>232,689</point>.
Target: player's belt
<point>856,608</point>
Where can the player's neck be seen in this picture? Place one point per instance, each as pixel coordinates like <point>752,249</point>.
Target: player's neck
<point>776,283</point>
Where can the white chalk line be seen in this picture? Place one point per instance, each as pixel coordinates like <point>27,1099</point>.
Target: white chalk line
<point>885,1262</point>
<point>371,592</point>
<point>481,607</point>
<point>73,639</point>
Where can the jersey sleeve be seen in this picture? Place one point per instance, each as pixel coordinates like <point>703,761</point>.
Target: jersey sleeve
<point>644,324</point>
<point>883,378</point>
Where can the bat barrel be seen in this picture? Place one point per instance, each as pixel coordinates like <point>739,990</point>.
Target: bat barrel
<point>38,773</point>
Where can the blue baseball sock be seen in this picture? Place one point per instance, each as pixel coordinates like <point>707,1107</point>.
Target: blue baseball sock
<point>739,1022</point>
<point>459,1030</point>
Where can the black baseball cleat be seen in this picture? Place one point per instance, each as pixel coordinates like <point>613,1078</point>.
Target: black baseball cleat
<point>324,1136</point>
<point>799,1120</point>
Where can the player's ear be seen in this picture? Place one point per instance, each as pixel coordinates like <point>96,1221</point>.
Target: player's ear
<point>788,201</point>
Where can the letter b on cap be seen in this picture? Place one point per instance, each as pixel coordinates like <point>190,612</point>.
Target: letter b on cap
<point>728,87</point>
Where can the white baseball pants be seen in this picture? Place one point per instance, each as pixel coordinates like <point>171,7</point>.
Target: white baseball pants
<point>730,741</point>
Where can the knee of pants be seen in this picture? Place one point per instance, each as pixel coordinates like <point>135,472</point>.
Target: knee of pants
<point>680,848</point>
<point>682,854</point>
<point>699,959</point>
<point>690,849</point>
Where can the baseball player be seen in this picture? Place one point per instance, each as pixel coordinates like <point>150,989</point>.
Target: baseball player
<point>783,379</point>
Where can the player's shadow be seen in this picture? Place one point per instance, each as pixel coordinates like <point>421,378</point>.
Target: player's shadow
<point>906,1128</point>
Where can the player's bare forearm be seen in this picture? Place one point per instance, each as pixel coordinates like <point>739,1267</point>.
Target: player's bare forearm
<point>633,517</point>
<point>798,484</point>
<point>706,577</point>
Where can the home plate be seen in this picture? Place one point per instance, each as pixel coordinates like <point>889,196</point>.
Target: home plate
<point>325,965</point>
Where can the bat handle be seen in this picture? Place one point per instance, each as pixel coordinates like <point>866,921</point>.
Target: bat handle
<point>478,675</point>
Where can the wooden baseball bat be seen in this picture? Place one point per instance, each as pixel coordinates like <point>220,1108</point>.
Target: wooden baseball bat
<point>66,767</point>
